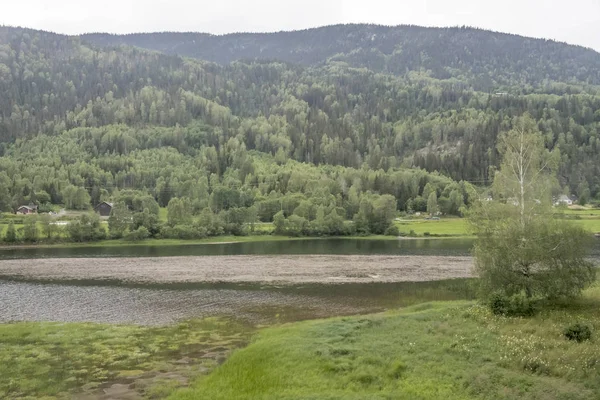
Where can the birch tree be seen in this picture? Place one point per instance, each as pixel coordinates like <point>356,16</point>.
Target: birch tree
<point>522,246</point>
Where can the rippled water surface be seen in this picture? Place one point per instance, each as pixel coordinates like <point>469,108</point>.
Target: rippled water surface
<point>157,305</point>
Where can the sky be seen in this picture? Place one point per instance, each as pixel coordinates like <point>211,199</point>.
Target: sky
<point>571,21</point>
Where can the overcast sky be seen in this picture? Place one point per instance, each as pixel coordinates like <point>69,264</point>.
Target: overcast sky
<point>572,21</point>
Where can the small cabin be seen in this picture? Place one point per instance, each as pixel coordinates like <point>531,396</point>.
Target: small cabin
<point>26,210</point>
<point>104,209</point>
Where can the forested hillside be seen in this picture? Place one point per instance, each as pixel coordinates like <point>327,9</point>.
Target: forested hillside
<point>488,61</point>
<point>80,123</point>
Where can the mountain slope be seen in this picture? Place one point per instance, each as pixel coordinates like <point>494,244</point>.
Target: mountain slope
<point>330,114</point>
<point>487,60</point>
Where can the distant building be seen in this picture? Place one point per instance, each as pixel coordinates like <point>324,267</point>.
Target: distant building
<point>104,209</point>
<point>563,200</point>
<point>26,210</point>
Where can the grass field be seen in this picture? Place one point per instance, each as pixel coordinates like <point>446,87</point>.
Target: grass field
<point>454,350</point>
<point>459,226</point>
<point>590,212</point>
<point>445,227</point>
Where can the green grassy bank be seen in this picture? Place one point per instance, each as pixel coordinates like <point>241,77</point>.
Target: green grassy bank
<point>441,350</point>
<point>454,350</point>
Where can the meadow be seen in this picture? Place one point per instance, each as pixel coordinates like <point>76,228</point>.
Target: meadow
<point>447,350</point>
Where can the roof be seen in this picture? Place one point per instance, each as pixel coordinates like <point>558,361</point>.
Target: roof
<point>30,207</point>
<point>104,202</point>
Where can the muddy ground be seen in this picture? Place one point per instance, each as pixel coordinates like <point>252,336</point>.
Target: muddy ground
<point>266,269</point>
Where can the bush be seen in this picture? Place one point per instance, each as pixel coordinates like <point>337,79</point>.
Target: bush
<point>183,232</point>
<point>140,233</point>
<point>578,332</point>
<point>86,229</point>
<point>514,306</point>
<point>426,234</point>
<point>392,230</point>
<point>11,234</point>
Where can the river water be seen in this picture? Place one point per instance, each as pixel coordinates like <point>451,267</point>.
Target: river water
<point>114,302</point>
<point>449,247</point>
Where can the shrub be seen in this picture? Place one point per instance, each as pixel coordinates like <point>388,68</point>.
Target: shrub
<point>514,306</point>
<point>140,233</point>
<point>392,230</point>
<point>85,229</point>
<point>427,234</point>
<point>498,304</point>
<point>578,332</point>
<point>11,234</point>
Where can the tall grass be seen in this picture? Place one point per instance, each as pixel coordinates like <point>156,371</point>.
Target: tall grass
<point>454,350</point>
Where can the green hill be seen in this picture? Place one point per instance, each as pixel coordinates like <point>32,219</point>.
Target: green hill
<point>362,97</point>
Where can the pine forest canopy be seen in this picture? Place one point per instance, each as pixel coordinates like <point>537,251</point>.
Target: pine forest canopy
<point>328,115</point>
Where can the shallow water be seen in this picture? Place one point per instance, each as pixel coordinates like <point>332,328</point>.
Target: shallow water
<point>256,304</point>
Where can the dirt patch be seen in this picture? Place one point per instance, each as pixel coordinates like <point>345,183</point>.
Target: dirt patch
<point>267,269</point>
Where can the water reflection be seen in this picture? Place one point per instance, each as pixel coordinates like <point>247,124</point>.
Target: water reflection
<point>450,247</point>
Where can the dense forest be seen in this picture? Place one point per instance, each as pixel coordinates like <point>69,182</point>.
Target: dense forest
<point>318,124</point>
<point>485,60</point>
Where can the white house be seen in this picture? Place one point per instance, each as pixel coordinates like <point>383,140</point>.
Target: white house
<point>564,199</point>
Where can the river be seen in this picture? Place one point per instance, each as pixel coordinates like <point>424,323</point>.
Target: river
<point>159,304</point>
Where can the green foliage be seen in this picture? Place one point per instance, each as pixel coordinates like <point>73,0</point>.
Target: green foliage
<point>140,233</point>
<point>86,229</point>
<point>76,198</point>
<point>119,220</point>
<point>546,258</point>
<point>11,233</point>
<point>521,247</point>
<point>432,204</point>
<point>346,136</point>
<point>578,332</point>
<point>517,305</point>
<point>445,114</point>
<point>279,223</point>
<point>49,228</point>
<point>179,211</point>
<point>30,229</point>
<point>392,230</point>
<point>148,220</point>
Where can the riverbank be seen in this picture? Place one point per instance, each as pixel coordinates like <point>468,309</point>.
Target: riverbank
<point>262,269</point>
<point>451,350</point>
<point>411,228</point>
<point>442,350</point>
